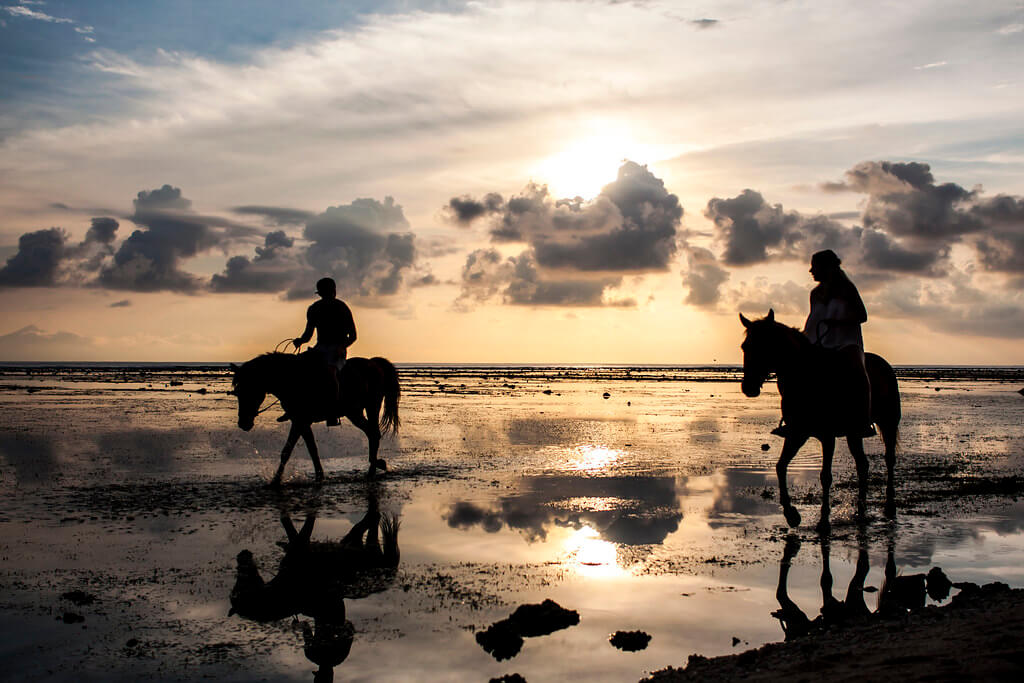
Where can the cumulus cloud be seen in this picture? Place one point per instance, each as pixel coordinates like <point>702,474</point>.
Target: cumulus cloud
<point>703,277</point>
<point>274,268</point>
<point>46,259</point>
<point>575,249</point>
<point>149,260</point>
<point>365,246</point>
<point>517,280</point>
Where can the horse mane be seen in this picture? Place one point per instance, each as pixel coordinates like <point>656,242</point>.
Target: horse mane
<point>267,364</point>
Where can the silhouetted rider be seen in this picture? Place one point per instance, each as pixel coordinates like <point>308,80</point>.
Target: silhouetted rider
<point>335,330</point>
<point>837,312</point>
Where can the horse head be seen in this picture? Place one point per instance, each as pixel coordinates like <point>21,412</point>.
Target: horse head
<point>250,393</point>
<point>758,352</point>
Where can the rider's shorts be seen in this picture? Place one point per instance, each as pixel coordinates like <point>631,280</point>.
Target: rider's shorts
<point>333,354</point>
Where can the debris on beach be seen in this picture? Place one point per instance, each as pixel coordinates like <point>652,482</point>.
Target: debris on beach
<point>503,639</point>
<point>508,678</point>
<point>79,598</point>
<point>765,447</point>
<point>606,395</point>
<point>630,641</point>
<point>938,584</point>
<point>72,618</point>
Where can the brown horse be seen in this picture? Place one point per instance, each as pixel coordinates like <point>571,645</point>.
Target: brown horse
<point>813,406</point>
<point>300,381</point>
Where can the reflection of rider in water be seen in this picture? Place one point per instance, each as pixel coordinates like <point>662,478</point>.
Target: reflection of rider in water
<point>837,313</point>
<point>335,332</point>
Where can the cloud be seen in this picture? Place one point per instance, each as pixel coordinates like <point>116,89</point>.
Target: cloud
<point>576,249</point>
<point>703,277</point>
<point>276,215</point>
<point>275,268</point>
<point>365,246</point>
<point>32,343</point>
<point>123,303</point>
<point>754,231</point>
<point>38,260</point>
<point>28,13</point>
<point>705,23</point>
<point>149,260</point>
<point>517,281</point>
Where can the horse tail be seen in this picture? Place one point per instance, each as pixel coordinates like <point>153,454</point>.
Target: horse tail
<point>389,526</point>
<point>392,392</point>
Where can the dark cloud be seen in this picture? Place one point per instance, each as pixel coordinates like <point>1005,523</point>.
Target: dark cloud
<point>149,260</point>
<point>1002,247</point>
<point>516,280</point>
<point>123,303</point>
<point>882,252</point>
<point>755,231</point>
<point>464,210</point>
<point>273,269</point>
<point>37,262</point>
<point>705,23</point>
<point>102,231</point>
<point>575,249</point>
<point>275,215</point>
<point>365,246</point>
<point>703,277</point>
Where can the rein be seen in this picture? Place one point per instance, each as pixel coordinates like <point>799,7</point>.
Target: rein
<point>263,410</point>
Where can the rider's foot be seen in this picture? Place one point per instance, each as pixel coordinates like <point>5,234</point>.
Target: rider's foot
<point>284,418</point>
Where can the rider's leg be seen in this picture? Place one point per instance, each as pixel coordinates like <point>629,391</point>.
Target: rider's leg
<point>332,395</point>
<point>860,389</point>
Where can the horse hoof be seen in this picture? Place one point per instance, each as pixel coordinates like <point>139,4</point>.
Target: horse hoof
<point>380,464</point>
<point>792,517</point>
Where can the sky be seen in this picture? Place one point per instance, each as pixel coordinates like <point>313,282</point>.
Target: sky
<point>510,181</point>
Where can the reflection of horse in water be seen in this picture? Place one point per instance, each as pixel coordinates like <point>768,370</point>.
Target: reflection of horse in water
<point>315,577</point>
<point>299,382</point>
<point>813,405</point>
<point>899,593</point>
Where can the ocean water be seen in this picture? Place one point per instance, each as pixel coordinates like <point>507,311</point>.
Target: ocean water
<point>642,497</point>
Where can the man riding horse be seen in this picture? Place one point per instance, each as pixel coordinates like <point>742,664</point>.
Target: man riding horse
<point>335,330</point>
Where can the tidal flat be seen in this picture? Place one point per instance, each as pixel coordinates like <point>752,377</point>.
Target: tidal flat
<point>644,499</point>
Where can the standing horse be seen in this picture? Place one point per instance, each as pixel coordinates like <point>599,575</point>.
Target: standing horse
<point>300,382</point>
<point>813,406</point>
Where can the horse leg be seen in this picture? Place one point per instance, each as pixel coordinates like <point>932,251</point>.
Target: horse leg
<point>889,432</point>
<point>372,432</point>
<point>789,450</point>
<point>286,452</point>
<point>314,454</point>
<point>856,445</point>
<point>828,448</point>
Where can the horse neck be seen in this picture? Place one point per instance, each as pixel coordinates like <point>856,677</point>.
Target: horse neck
<point>789,348</point>
<point>276,374</point>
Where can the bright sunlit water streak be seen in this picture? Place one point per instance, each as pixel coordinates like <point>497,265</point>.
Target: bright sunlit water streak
<point>591,556</point>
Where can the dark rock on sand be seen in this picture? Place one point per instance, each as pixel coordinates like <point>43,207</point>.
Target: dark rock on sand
<point>503,639</point>
<point>938,584</point>
<point>500,640</point>
<point>508,678</point>
<point>630,641</point>
<point>72,618</point>
<point>79,598</point>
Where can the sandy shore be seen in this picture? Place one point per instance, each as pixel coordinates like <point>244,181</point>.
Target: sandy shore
<point>976,637</point>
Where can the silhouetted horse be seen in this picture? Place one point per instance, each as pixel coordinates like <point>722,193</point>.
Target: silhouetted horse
<point>814,405</point>
<point>300,381</point>
<point>314,578</point>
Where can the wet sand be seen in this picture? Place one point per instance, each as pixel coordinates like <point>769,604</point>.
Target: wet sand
<point>654,510</point>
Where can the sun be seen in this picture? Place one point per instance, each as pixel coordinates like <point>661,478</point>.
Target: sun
<point>592,159</point>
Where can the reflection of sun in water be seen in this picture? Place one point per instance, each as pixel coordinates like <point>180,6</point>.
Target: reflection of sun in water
<point>592,556</point>
<point>592,458</point>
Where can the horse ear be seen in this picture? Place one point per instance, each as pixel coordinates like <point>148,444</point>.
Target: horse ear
<point>746,323</point>
<point>771,315</point>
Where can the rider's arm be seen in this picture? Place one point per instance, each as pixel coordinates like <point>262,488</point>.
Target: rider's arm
<point>348,327</point>
<point>307,334</point>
